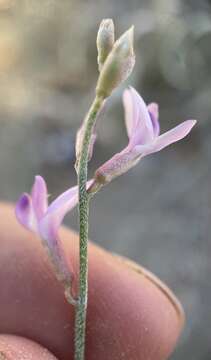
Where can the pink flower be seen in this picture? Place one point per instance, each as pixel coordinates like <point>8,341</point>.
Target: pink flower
<point>143,130</point>
<point>33,212</point>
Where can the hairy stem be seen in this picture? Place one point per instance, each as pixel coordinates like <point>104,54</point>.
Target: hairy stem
<point>81,307</point>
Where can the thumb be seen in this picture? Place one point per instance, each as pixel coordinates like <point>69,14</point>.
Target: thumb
<point>131,314</point>
<point>18,348</point>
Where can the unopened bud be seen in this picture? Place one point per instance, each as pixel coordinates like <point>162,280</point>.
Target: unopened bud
<point>78,145</point>
<point>118,65</point>
<point>105,41</point>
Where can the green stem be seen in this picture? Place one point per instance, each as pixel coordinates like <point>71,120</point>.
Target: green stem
<point>81,307</point>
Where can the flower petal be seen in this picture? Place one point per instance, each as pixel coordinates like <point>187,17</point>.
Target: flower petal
<point>50,223</point>
<point>49,226</point>
<point>25,213</point>
<point>173,135</point>
<point>39,197</point>
<point>154,115</point>
<point>169,137</point>
<point>138,121</point>
<point>131,112</point>
<point>56,212</point>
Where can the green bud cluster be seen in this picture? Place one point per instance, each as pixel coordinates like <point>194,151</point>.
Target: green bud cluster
<point>115,59</point>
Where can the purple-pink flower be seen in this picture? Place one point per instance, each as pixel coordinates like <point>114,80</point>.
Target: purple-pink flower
<point>143,130</point>
<point>33,212</point>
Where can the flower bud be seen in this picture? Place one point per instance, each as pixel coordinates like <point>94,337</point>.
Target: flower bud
<point>105,41</point>
<point>78,145</point>
<point>118,65</point>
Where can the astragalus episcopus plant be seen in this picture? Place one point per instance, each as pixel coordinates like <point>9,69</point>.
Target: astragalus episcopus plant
<point>116,60</point>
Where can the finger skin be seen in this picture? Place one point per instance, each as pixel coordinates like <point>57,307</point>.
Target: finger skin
<point>131,314</point>
<point>18,348</point>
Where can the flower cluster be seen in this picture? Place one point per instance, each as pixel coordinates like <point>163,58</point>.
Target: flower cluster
<point>143,130</point>
<point>115,61</point>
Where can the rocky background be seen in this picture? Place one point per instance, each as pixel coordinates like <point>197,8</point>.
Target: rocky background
<point>159,213</point>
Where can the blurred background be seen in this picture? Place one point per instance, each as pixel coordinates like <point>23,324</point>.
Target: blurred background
<point>159,213</point>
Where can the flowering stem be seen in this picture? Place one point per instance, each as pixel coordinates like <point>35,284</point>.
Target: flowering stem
<point>81,307</point>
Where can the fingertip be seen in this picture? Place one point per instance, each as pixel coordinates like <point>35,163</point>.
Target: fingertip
<point>160,285</point>
<point>19,348</point>
<point>131,313</point>
<point>137,315</point>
